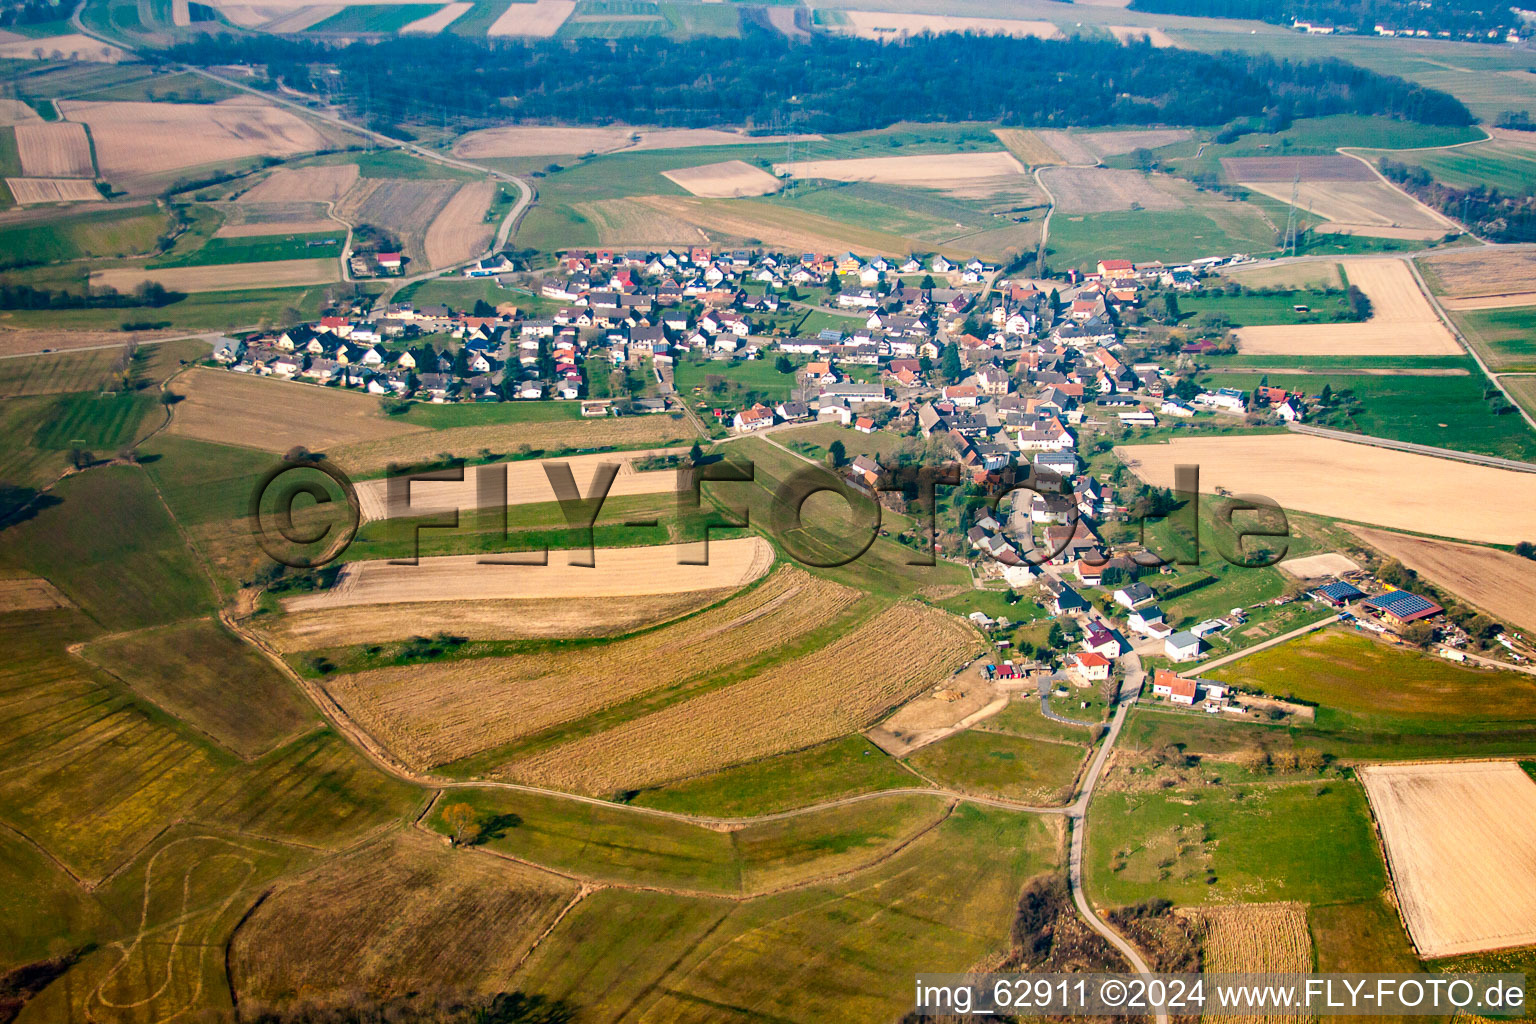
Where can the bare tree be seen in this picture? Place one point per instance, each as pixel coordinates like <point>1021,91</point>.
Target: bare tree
<point>463,823</point>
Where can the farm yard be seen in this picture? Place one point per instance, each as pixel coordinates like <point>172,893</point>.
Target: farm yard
<point>792,705</point>
<point>1354,482</point>
<point>1402,321</point>
<point>727,180</point>
<point>1461,855</point>
<point>1500,583</point>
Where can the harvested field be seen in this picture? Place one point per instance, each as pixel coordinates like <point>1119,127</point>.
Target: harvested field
<point>1285,169</point>
<point>403,915</point>
<point>1502,584</point>
<point>433,714</point>
<point>54,150</point>
<point>223,277</point>
<point>1028,146</point>
<point>130,137</point>
<point>623,572</point>
<point>527,483</point>
<point>74,46</point>
<point>939,171</point>
<point>837,690</point>
<point>1140,33</point>
<point>405,207</point>
<point>300,20</point>
<point>540,18</point>
<point>560,140</point>
<point>14,342</point>
<point>434,23</point>
<point>29,594</point>
<point>412,446</point>
<point>324,183</point>
<point>1399,490</point>
<point>460,233</point>
<point>52,190</point>
<point>16,112</point>
<point>1402,321</point>
<point>1256,938</point>
<point>1069,146</point>
<point>625,222</point>
<point>1116,143</point>
<point>1314,567</point>
<point>888,25</point>
<point>1101,189</point>
<point>774,226</point>
<point>481,620</point>
<point>728,179</point>
<point>275,415</point>
<point>1462,852</point>
<point>1372,207</point>
<point>257,229</point>
<point>1468,273</point>
<point>1508,301</point>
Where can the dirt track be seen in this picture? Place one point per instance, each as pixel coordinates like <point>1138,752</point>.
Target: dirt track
<point>1462,851</point>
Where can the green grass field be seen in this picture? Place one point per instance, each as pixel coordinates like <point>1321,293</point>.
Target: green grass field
<point>1218,229</point>
<point>824,772</point>
<point>1523,388</point>
<point>128,231</point>
<point>1257,310</point>
<point>221,311</point>
<point>1311,842</point>
<point>999,764</point>
<point>381,18</point>
<point>1505,338</point>
<point>102,423</point>
<point>948,898</point>
<point>1508,167</point>
<point>475,22</point>
<point>1447,412</point>
<point>209,679</point>
<point>755,376</point>
<point>261,249</point>
<point>632,847</point>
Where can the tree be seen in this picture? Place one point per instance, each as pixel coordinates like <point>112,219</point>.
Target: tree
<point>927,284</point>
<point>784,364</point>
<point>837,453</point>
<point>1325,396</point>
<point>949,363</point>
<point>833,284</point>
<point>1171,307</point>
<point>483,308</point>
<point>1525,549</point>
<point>463,823</point>
<point>695,454</point>
<point>1056,638</point>
<point>1419,634</point>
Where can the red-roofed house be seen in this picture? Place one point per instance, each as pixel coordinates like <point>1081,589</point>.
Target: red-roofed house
<point>1175,687</point>
<point>1093,667</point>
<point>864,425</point>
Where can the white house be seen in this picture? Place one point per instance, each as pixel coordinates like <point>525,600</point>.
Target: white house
<point>1183,646</point>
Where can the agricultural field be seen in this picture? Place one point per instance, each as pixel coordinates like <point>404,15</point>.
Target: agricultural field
<point>1208,225</point>
<point>1506,162</point>
<point>32,191</point>
<point>210,680</point>
<point>406,207</point>
<point>424,917</point>
<point>730,179</point>
<point>973,174</point>
<point>1505,338</point>
<point>116,232</point>
<point>317,183</point>
<point>1480,273</point>
<point>1345,192</point>
<point>54,150</point>
<point>459,232</point>
<point>1278,840</point>
<point>481,703</point>
<point>1103,189</point>
<point>127,137</point>
<point>540,18</point>
<point>889,25</point>
<point>1402,321</point>
<point>1354,482</point>
<point>1461,861</point>
<point>1447,406</point>
<point>978,760</point>
<point>274,415</point>
<point>222,277</point>
<point>1361,684</point>
<point>795,704</point>
<point>1502,584</point>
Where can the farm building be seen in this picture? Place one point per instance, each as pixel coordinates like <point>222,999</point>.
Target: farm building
<point>1175,687</point>
<point>1184,646</point>
<point>1403,607</point>
<point>1339,594</point>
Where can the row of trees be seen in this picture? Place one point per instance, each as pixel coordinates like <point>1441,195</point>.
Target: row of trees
<point>833,83</point>
<point>25,296</point>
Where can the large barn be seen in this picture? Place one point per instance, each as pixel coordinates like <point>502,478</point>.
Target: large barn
<point>1403,607</point>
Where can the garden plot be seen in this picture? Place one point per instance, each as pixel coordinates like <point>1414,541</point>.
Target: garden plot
<point>1461,846</point>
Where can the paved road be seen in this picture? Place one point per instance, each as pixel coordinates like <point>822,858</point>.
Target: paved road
<point>1271,642</point>
<point>1417,449</point>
